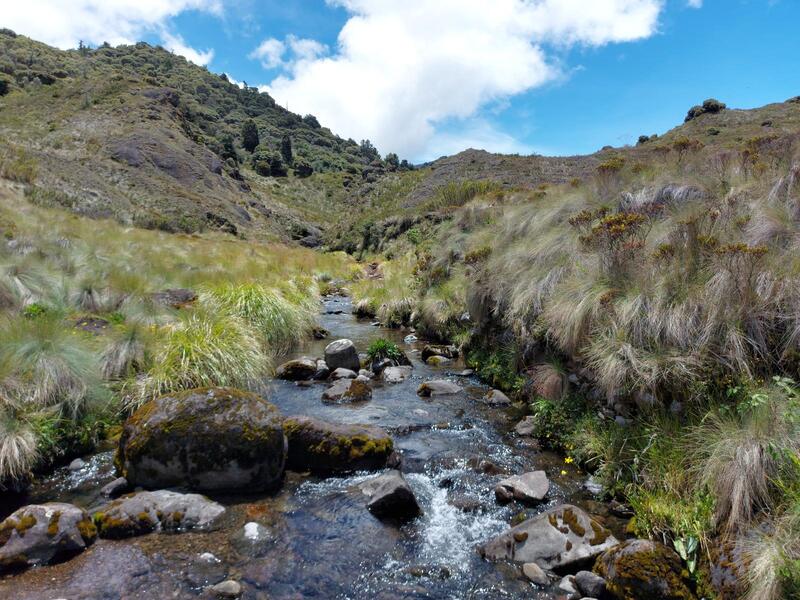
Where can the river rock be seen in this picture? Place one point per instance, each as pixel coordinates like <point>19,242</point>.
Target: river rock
<point>77,464</point>
<point>438,361</point>
<point>390,497</point>
<point>496,398</point>
<point>590,584</point>
<point>535,573</point>
<point>643,569</point>
<point>526,427</point>
<point>395,374</point>
<point>562,537</point>
<point>567,585</point>
<point>366,373</point>
<point>322,447</point>
<point>145,512</point>
<point>438,387</point>
<point>342,353</point>
<point>299,369</point>
<point>341,373</point>
<point>348,390</point>
<point>204,439</point>
<point>116,488</point>
<point>430,350</point>
<point>42,534</point>
<point>530,487</point>
<point>227,589</point>
<point>323,371</point>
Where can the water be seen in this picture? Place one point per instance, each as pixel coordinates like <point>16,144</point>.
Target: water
<point>315,538</point>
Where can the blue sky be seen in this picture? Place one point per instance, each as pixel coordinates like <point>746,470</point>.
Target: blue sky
<point>430,78</point>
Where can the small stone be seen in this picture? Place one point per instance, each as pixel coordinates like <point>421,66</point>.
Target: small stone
<point>467,373</point>
<point>227,589</point>
<point>410,339</point>
<point>390,497</point>
<point>437,361</point>
<point>348,390</point>
<point>322,371</point>
<point>342,373</point>
<point>593,486</point>
<point>590,584</point>
<point>496,398</point>
<point>116,488</point>
<point>395,374</point>
<point>529,487</point>
<point>526,427</point>
<point>77,464</point>
<point>366,373</point>
<point>567,584</point>
<point>535,574</point>
<point>438,387</point>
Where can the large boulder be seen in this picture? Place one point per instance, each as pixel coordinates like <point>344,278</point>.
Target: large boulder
<point>639,569</point>
<point>342,353</point>
<point>145,512</point>
<point>204,439</point>
<point>322,447</point>
<point>529,487</point>
<point>430,350</point>
<point>438,387</point>
<point>42,534</point>
<point>564,537</point>
<point>390,497</point>
<point>299,369</point>
<point>496,398</point>
<point>348,390</point>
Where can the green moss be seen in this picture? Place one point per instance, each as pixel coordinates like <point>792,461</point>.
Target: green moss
<point>25,522</point>
<point>52,526</point>
<point>87,530</point>
<point>569,517</point>
<point>636,572</point>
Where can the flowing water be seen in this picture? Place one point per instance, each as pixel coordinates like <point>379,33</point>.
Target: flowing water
<point>314,538</point>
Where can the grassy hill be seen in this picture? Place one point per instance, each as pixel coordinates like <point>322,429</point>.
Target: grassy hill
<point>140,135</point>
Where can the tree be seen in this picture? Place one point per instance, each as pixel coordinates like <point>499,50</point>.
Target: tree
<point>392,161</point>
<point>311,121</point>
<point>368,151</point>
<point>286,149</point>
<point>302,168</point>
<point>249,135</point>
<point>228,150</point>
<point>3,87</point>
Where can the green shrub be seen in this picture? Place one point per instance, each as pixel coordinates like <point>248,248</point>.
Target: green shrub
<point>381,349</point>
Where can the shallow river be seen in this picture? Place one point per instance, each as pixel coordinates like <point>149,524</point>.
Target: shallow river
<point>316,539</point>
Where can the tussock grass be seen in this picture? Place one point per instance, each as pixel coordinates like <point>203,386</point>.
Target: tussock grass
<point>57,269</point>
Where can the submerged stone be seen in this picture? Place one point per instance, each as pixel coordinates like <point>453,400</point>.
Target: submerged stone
<point>395,374</point>
<point>42,534</point>
<point>204,439</point>
<point>438,387</point>
<point>318,446</point>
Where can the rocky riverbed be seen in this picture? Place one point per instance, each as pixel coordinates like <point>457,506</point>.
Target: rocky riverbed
<point>327,535</point>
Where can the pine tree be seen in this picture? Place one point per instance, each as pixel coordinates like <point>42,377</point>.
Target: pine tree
<point>286,149</point>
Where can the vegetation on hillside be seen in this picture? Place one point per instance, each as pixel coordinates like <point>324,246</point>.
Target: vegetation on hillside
<point>89,327</point>
<point>667,283</point>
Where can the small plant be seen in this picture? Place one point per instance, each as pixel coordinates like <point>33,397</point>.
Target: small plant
<point>382,348</point>
<point>34,310</point>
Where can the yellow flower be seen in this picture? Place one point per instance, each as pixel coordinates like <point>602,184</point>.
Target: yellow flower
<point>563,472</point>
<point>568,460</point>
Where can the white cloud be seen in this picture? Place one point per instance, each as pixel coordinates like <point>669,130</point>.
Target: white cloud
<point>63,23</point>
<point>401,69</point>
<point>174,43</point>
<point>695,3</point>
<point>270,52</point>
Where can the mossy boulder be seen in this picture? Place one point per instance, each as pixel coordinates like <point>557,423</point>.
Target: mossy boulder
<point>342,353</point>
<point>322,447</point>
<point>643,569</point>
<point>348,390</point>
<point>204,439</point>
<point>42,534</point>
<point>429,351</point>
<point>562,538</point>
<point>146,512</point>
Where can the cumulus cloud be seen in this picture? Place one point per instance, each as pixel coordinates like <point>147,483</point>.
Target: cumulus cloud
<point>63,23</point>
<point>402,68</point>
<point>289,53</point>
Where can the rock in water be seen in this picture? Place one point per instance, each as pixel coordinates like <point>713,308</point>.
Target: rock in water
<point>448,352</point>
<point>145,512</point>
<point>116,488</point>
<point>348,390</point>
<point>300,369</point>
<point>643,569</point>
<point>390,497</point>
<point>590,585</point>
<point>204,439</point>
<point>342,373</point>
<point>529,487</point>
<point>535,574</point>
<point>526,427</point>
<point>315,445</point>
<point>395,374</point>
<point>562,537</point>
<point>322,372</point>
<point>227,589</point>
<point>42,534</point>
<point>342,353</point>
<point>496,398</point>
<point>438,387</point>
<point>437,361</point>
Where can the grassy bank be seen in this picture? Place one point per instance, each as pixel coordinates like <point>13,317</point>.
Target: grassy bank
<point>667,285</point>
<point>87,332</point>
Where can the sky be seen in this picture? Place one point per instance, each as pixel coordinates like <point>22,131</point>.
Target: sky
<point>427,78</point>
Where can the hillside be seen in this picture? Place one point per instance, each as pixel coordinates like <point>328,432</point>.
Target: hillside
<point>143,136</point>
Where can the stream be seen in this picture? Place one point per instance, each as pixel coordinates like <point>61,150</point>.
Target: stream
<point>314,538</point>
